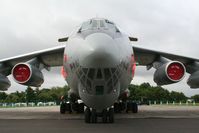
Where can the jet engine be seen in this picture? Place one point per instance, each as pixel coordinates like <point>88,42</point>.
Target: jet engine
<point>4,83</point>
<point>193,80</point>
<point>170,72</point>
<point>27,74</point>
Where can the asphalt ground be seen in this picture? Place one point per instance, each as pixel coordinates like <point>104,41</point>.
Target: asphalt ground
<point>150,119</point>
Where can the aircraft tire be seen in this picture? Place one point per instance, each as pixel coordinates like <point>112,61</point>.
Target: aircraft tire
<point>75,107</point>
<point>134,107</point>
<point>111,115</point>
<point>87,115</point>
<point>68,107</point>
<point>62,108</point>
<point>104,116</point>
<point>93,116</point>
<point>116,108</point>
<point>81,108</point>
<point>128,107</point>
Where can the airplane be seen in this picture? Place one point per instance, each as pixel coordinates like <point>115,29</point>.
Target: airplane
<point>99,63</point>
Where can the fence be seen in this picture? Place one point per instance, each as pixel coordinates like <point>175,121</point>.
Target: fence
<point>6,105</point>
<point>173,103</point>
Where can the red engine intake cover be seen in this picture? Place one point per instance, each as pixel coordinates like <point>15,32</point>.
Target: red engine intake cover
<point>21,73</point>
<point>175,71</point>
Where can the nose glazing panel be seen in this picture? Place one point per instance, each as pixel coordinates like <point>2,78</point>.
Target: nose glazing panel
<point>98,80</point>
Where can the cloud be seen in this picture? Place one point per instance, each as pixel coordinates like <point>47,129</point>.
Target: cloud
<point>170,26</point>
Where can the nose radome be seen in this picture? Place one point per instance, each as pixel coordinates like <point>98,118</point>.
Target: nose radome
<point>102,51</point>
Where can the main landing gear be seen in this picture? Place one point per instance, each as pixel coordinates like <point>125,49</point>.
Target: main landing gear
<point>70,107</point>
<point>132,106</point>
<point>91,115</point>
<point>126,106</point>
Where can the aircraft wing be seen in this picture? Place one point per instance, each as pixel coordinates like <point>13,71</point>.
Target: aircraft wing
<point>147,57</point>
<point>48,57</point>
<point>159,61</point>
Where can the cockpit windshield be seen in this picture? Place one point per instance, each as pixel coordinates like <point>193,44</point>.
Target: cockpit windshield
<point>103,24</point>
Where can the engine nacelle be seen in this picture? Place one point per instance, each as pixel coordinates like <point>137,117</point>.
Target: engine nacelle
<point>193,80</point>
<point>4,83</point>
<point>168,73</point>
<point>27,74</point>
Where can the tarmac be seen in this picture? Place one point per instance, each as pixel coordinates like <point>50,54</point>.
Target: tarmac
<point>150,119</point>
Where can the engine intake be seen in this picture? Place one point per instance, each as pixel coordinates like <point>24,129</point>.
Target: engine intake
<point>193,80</point>
<point>4,83</point>
<point>169,73</point>
<point>27,74</point>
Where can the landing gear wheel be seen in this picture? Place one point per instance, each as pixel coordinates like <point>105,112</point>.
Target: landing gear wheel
<point>111,115</point>
<point>134,107</point>
<point>62,108</point>
<point>122,106</point>
<point>68,107</point>
<point>87,115</point>
<point>104,116</point>
<point>75,107</point>
<point>93,116</point>
<point>116,108</point>
<point>128,107</point>
<point>81,108</point>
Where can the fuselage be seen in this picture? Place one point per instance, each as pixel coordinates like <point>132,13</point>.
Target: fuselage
<point>98,60</point>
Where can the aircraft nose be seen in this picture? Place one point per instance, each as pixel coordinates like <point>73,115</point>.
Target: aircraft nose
<point>101,51</point>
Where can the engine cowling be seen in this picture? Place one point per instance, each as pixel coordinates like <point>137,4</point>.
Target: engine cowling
<point>27,74</point>
<point>4,83</point>
<point>168,73</point>
<point>193,80</point>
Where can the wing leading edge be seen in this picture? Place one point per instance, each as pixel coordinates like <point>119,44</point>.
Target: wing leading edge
<point>146,56</point>
<point>48,57</point>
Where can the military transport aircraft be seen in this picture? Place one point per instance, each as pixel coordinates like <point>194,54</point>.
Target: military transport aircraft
<point>98,62</point>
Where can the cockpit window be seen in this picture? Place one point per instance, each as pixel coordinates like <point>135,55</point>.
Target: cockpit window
<point>99,74</point>
<point>86,25</point>
<point>98,23</point>
<point>94,23</point>
<point>111,25</point>
<point>102,23</point>
<point>91,73</point>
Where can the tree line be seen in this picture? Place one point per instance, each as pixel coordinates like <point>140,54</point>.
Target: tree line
<point>35,95</point>
<point>146,92</point>
<point>143,92</point>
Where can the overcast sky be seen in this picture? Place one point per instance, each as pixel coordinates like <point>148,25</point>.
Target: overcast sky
<point>170,25</point>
